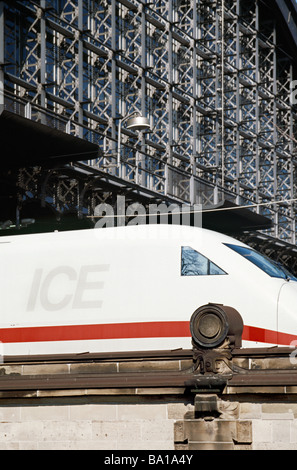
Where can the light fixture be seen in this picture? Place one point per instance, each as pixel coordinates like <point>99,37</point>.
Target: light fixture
<point>138,123</point>
<point>135,122</point>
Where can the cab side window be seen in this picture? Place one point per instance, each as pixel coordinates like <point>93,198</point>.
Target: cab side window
<point>195,264</point>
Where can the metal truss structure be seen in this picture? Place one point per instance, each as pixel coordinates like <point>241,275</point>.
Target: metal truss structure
<point>214,77</point>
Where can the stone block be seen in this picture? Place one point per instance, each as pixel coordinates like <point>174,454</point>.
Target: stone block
<point>44,413</point>
<point>93,412</point>
<point>250,410</point>
<point>142,412</point>
<point>42,369</point>
<point>179,432</point>
<point>21,431</point>
<point>279,410</point>
<point>137,366</point>
<point>210,446</point>
<point>243,432</point>
<point>66,431</point>
<point>212,433</point>
<point>206,405</point>
<point>94,368</point>
<point>160,391</point>
<point>11,369</point>
<point>136,444</point>
<point>228,409</point>
<point>179,410</point>
<point>77,445</point>
<point>293,429</point>
<point>10,413</point>
<point>262,431</point>
<point>11,446</point>
<point>281,431</point>
<point>199,430</point>
<point>111,431</point>
<point>155,431</point>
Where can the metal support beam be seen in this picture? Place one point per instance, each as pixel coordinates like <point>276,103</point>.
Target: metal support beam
<point>212,77</point>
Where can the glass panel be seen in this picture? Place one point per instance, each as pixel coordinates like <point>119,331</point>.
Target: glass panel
<point>195,264</point>
<point>267,265</point>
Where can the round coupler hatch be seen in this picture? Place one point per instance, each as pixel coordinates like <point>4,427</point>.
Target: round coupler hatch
<point>212,323</point>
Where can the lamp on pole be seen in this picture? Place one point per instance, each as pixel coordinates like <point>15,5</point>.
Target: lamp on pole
<point>135,122</point>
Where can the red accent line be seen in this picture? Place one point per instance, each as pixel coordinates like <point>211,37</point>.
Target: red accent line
<point>128,330</point>
<point>252,333</point>
<point>261,335</point>
<point>89,332</point>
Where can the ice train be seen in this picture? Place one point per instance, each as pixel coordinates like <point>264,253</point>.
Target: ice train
<point>135,288</point>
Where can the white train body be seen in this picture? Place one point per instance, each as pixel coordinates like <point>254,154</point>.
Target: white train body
<point>133,289</point>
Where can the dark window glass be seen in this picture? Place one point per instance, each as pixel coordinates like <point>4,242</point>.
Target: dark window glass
<point>195,264</point>
<point>270,267</point>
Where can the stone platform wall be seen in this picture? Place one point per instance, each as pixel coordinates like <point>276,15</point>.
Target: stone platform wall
<point>145,423</point>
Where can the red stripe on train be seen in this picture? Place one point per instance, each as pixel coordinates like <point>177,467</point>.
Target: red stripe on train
<point>89,332</point>
<point>126,331</point>
<point>262,335</point>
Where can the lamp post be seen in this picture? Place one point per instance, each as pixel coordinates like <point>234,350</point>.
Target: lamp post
<point>135,122</point>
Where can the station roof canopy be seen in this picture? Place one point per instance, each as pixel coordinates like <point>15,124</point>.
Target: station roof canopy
<point>25,142</point>
<point>288,9</point>
<point>228,217</point>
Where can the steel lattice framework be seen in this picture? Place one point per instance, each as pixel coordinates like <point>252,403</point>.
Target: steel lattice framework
<point>209,74</point>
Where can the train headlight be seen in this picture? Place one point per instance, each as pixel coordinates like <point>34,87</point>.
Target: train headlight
<point>211,324</point>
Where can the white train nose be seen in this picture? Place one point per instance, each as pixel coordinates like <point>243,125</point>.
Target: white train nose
<point>287,312</point>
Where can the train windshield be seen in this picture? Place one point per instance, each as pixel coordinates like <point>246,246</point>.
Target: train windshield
<point>270,267</point>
